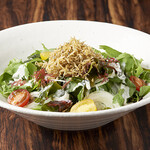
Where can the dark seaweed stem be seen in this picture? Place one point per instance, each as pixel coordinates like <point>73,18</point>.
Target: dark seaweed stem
<point>111,60</point>
<point>104,77</point>
<point>103,65</point>
<point>66,84</point>
<point>108,66</point>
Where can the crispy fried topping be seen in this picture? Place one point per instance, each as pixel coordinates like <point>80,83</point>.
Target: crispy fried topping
<point>71,59</point>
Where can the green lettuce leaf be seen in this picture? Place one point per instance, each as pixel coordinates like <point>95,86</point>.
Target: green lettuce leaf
<point>31,68</point>
<point>80,96</point>
<point>131,86</point>
<point>118,98</point>
<point>13,66</point>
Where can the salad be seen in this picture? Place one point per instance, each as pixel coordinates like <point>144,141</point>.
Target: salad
<point>75,78</point>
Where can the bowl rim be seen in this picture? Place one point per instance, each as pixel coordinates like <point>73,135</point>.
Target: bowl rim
<point>125,108</point>
<point>71,114</point>
<point>73,21</point>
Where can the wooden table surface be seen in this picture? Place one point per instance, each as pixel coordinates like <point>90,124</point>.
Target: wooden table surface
<point>131,132</point>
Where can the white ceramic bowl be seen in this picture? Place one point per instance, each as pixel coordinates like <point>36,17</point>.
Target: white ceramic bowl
<point>20,41</point>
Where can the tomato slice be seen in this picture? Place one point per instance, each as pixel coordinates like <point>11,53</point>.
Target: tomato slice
<point>18,83</point>
<point>137,82</point>
<point>19,97</point>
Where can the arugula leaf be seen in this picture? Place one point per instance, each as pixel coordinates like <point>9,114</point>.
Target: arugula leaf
<point>131,64</point>
<point>145,75</point>
<point>138,71</point>
<point>110,51</point>
<point>118,97</point>
<point>105,55</point>
<point>144,90</point>
<point>46,49</point>
<point>96,51</point>
<point>36,54</point>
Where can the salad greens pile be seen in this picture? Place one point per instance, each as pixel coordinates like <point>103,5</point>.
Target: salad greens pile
<point>119,74</point>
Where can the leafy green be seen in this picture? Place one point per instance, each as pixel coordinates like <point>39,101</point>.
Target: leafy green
<point>34,55</point>
<point>138,71</point>
<point>45,107</point>
<point>145,75</point>
<point>47,92</point>
<point>110,51</point>
<point>144,90</point>
<point>112,86</point>
<point>13,66</point>
<point>80,96</point>
<point>131,86</point>
<point>131,64</point>
<point>6,89</point>
<point>118,97</point>
<point>77,88</point>
<point>96,51</point>
<point>5,77</point>
<point>46,49</point>
<point>74,84</point>
<point>134,98</point>
<point>31,68</point>
<point>116,80</point>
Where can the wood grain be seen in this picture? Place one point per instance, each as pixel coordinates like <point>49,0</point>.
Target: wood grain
<point>131,132</point>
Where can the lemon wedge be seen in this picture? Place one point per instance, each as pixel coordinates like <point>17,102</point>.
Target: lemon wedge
<point>85,105</point>
<point>45,55</point>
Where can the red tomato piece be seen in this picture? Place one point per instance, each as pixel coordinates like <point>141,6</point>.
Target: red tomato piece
<point>19,97</point>
<point>18,83</point>
<point>137,82</point>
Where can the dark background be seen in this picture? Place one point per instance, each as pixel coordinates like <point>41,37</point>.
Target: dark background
<point>131,132</point>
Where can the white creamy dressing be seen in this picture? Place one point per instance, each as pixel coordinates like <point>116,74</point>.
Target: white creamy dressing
<point>35,94</point>
<point>58,80</point>
<point>112,74</point>
<point>87,84</point>
<point>20,73</point>
<point>126,94</point>
<point>65,97</point>
<point>83,83</point>
<point>99,84</point>
<point>29,83</point>
<point>45,88</point>
<point>120,73</point>
<point>31,105</point>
